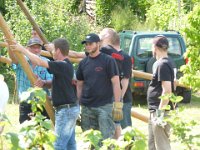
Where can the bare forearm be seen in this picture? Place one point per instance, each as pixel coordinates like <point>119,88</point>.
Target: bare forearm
<point>35,59</point>
<point>79,89</point>
<point>124,83</point>
<point>166,89</point>
<point>12,57</point>
<point>116,88</point>
<point>47,84</point>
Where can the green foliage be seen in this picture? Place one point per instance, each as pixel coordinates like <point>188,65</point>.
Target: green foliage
<point>181,128</point>
<point>54,17</point>
<point>94,137</point>
<point>104,9</point>
<point>192,70</point>
<point>131,139</point>
<point>126,20</point>
<point>36,133</point>
<point>162,13</point>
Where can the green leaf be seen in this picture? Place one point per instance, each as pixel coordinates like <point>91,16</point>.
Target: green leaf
<point>46,124</point>
<point>14,139</point>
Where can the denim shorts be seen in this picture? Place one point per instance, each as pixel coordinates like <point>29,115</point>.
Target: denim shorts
<point>98,118</point>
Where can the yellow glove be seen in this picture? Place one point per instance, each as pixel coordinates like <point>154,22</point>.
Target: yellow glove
<point>117,112</point>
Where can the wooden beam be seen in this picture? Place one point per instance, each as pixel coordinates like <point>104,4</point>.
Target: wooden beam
<point>148,76</point>
<point>139,116</point>
<point>46,53</point>
<point>32,21</point>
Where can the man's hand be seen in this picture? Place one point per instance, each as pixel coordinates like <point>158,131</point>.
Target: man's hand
<point>49,47</point>
<point>159,118</point>
<point>17,47</point>
<point>39,83</point>
<point>117,112</point>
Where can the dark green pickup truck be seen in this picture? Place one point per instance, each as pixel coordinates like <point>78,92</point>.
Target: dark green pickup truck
<point>138,45</point>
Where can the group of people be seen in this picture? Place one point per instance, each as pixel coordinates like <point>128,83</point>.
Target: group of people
<point>102,89</point>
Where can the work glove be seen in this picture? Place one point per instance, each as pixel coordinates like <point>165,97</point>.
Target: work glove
<point>117,112</point>
<point>159,118</point>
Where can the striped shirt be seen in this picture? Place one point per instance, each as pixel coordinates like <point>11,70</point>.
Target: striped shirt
<point>23,83</point>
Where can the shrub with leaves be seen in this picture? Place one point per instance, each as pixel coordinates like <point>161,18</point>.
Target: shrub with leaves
<point>36,133</point>
<point>182,129</point>
<point>131,139</point>
<point>191,70</point>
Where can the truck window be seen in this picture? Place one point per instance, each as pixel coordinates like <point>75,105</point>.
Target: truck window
<point>144,47</point>
<point>127,43</point>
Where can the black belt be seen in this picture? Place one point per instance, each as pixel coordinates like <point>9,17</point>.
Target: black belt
<point>65,106</point>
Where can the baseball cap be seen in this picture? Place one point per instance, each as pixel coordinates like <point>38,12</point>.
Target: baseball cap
<point>92,37</point>
<point>34,41</point>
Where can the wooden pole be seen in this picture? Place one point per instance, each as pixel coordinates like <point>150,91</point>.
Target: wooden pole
<point>44,53</point>
<point>32,21</point>
<point>25,65</point>
<point>148,76</point>
<point>139,116</point>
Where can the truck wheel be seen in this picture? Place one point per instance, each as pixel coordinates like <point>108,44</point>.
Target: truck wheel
<point>149,65</point>
<point>186,96</point>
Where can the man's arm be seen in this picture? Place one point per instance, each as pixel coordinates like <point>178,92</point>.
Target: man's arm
<point>34,58</point>
<point>12,57</point>
<point>166,89</point>
<point>116,88</point>
<point>43,83</point>
<point>124,83</point>
<point>79,89</point>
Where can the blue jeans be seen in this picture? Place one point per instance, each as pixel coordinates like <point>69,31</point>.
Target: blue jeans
<point>126,115</point>
<point>65,122</point>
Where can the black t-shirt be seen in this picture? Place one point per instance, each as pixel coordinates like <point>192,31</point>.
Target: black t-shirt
<point>127,73</point>
<point>62,88</point>
<point>109,50</point>
<point>163,72</point>
<point>96,74</point>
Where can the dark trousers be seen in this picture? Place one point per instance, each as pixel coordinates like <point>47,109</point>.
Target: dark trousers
<point>25,110</point>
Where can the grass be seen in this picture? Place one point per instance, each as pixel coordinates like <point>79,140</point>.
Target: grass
<point>191,112</point>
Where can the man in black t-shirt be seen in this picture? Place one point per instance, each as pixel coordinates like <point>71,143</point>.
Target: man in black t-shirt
<point>161,83</point>
<point>98,81</point>
<point>110,42</point>
<point>63,94</point>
